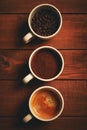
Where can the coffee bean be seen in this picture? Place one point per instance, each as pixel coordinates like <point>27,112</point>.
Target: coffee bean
<point>45,22</point>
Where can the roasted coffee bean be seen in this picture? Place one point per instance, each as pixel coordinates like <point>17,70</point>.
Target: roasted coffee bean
<point>45,22</point>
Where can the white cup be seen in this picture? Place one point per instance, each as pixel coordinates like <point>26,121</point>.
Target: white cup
<point>48,62</point>
<point>45,103</point>
<point>34,33</point>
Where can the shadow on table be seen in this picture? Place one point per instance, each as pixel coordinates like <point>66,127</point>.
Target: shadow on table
<point>22,31</point>
<point>23,111</point>
<point>24,71</point>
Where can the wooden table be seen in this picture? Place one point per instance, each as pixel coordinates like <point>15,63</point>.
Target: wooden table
<point>14,54</point>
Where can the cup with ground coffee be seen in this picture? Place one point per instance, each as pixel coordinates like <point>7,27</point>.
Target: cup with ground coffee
<point>44,21</point>
<point>46,63</point>
<point>45,103</point>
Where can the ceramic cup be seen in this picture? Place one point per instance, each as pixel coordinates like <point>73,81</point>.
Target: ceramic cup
<point>46,63</point>
<point>45,104</point>
<point>44,21</point>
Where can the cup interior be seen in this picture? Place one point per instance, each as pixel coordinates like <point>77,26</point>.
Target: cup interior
<point>45,21</point>
<point>46,63</point>
<point>46,103</point>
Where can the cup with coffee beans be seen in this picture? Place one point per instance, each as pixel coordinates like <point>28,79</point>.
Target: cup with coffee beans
<point>44,21</point>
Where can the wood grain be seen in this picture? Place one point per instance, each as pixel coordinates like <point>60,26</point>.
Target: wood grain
<point>14,97</point>
<point>61,123</point>
<point>14,55</point>
<point>14,64</point>
<point>73,34</point>
<point>24,6</point>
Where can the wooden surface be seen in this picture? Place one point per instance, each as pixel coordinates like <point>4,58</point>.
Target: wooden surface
<point>14,54</point>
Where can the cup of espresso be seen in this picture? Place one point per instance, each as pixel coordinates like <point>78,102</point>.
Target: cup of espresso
<point>45,103</point>
<point>44,21</point>
<point>46,63</point>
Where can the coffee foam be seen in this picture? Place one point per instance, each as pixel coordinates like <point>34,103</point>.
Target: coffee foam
<point>45,104</point>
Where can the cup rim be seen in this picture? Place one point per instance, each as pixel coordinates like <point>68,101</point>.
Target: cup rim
<point>47,47</point>
<point>29,23</point>
<point>62,100</point>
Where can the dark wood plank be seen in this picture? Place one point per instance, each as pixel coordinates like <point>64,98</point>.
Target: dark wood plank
<point>73,34</point>
<point>14,56</point>
<point>14,97</point>
<point>61,124</point>
<point>24,6</point>
<point>14,64</point>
